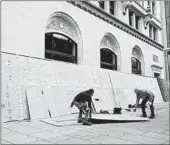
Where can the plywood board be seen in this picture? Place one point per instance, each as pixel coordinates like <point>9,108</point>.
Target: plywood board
<point>48,100</point>
<point>26,113</point>
<point>72,119</point>
<point>63,97</point>
<point>11,103</point>
<point>118,117</point>
<point>8,60</point>
<point>60,124</point>
<point>96,79</point>
<point>35,105</point>
<point>103,99</point>
<point>42,71</point>
<point>126,93</point>
<point>104,78</point>
<point>60,121</point>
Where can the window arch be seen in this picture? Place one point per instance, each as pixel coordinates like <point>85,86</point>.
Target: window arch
<point>137,61</point>
<point>110,53</point>
<point>63,40</point>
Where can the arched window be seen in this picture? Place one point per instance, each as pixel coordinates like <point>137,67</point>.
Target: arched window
<point>63,40</point>
<point>137,61</point>
<point>136,66</point>
<point>60,47</point>
<point>108,59</point>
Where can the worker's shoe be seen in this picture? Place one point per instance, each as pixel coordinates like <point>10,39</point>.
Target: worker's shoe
<point>79,121</point>
<point>87,123</point>
<point>152,116</point>
<point>143,115</point>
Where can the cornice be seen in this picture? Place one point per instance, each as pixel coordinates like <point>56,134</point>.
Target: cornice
<point>151,15</point>
<point>97,12</point>
<point>137,2</point>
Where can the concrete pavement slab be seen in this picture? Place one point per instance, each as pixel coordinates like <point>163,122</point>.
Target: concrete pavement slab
<point>157,135</point>
<point>40,142</point>
<point>82,135</point>
<point>18,138</point>
<point>57,138</point>
<point>110,140</point>
<point>75,141</point>
<point>142,139</point>
<point>45,134</point>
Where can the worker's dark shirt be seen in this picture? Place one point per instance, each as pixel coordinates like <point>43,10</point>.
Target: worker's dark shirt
<point>146,95</point>
<point>84,97</point>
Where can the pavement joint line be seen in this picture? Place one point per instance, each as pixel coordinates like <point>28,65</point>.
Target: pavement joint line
<point>28,135</point>
<point>121,138</point>
<point>6,141</point>
<point>141,142</point>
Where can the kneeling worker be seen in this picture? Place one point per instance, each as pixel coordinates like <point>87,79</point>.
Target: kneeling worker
<point>146,96</point>
<point>83,102</point>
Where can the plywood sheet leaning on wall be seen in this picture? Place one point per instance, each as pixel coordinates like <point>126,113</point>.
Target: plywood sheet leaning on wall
<point>104,78</point>
<point>63,97</point>
<point>36,108</point>
<point>24,71</point>
<point>47,99</point>
<point>65,74</point>
<point>12,105</point>
<point>9,69</point>
<point>103,99</point>
<point>26,112</point>
<point>126,83</point>
<point>43,71</point>
<point>73,75</point>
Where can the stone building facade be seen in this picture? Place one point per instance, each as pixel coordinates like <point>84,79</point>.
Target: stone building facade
<point>123,36</point>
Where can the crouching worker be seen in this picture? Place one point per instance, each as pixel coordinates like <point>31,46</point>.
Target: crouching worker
<point>146,96</point>
<point>83,102</point>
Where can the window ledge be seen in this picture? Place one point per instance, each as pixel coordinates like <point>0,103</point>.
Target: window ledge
<point>156,66</point>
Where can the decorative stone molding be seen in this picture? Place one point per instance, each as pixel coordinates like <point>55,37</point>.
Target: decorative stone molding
<point>149,18</point>
<point>125,6</point>
<point>145,24</point>
<point>156,69</point>
<point>62,23</point>
<point>101,14</point>
<point>109,41</point>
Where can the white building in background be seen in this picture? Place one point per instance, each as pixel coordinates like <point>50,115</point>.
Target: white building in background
<point>123,36</point>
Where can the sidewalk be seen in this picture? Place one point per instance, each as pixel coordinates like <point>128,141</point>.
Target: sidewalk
<point>155,131</point>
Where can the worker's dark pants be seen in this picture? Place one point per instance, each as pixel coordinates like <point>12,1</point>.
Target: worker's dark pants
<point>83,108</point>
<point>143,104</point>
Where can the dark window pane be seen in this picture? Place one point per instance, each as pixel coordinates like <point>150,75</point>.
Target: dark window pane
<point>136,66</point>
<point>150,31</point>
<point>130,18</point>
<point>48,41</point>
<point>108,59</point>
<point>101,4</point>
<point>60,48</point>
<point>112,7</point>
<point>137,22</point>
